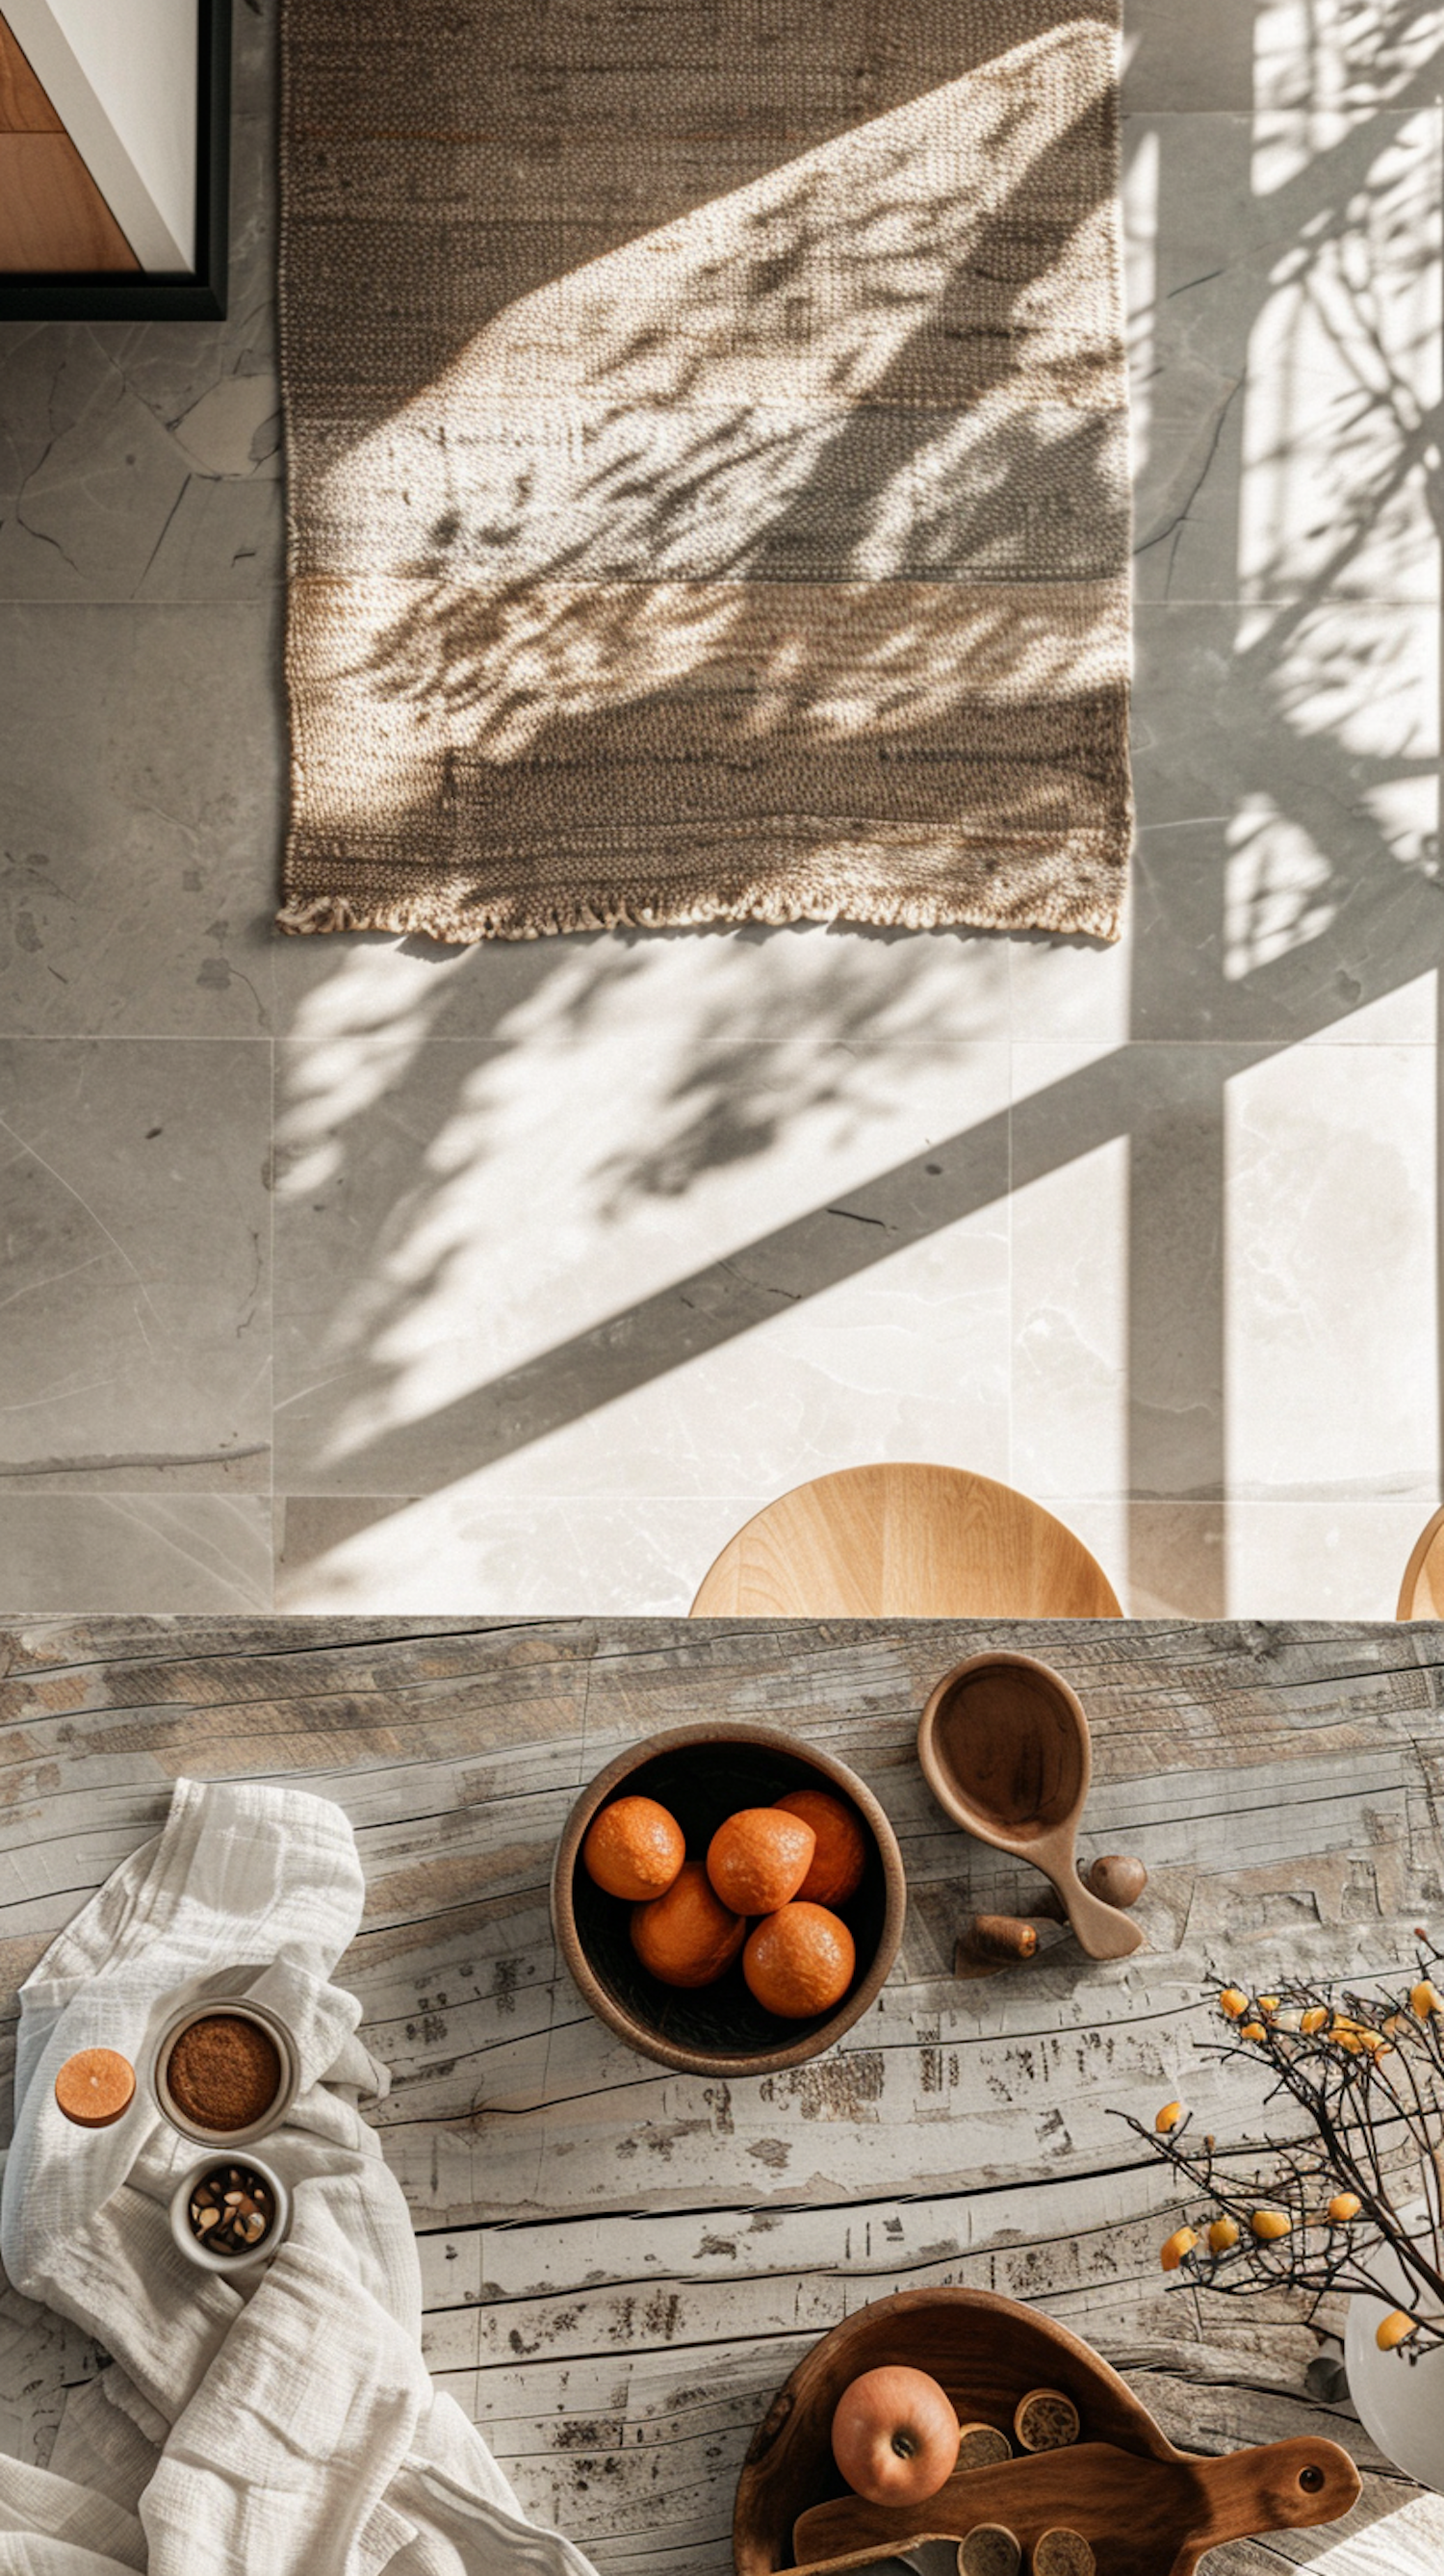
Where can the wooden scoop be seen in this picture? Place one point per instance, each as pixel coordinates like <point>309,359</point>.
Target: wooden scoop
<point>1144,2517</point>
<point>1004,1746</point>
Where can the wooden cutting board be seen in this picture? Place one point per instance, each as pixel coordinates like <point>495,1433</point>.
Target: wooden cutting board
<point>1147,2508</point>
<point>1152,2516</point>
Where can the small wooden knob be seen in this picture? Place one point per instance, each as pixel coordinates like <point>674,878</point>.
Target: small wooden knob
<point>998,1940</point>
<point>1063,2553</point>
<point>983,2446</point>
<point>990,2550</point>
<point>95,2087</point>
<point>1045,2420</point>
<point>1118,1880</point>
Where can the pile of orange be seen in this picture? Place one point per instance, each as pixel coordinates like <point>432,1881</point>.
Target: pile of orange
<point>768,1887</point>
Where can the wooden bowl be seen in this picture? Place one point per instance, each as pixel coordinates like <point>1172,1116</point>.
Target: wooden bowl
<point>1149,2509</point>
<point>702,1775</point>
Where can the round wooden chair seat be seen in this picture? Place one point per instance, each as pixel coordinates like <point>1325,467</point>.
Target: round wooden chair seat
<point>905,1542</point>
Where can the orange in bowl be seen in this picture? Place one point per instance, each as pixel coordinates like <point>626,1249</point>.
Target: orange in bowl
<point>634,1849</point>
<point>840,1859</point>
<point>759,1858</point>
<point>799,1961</point>
<point>688,1937</point>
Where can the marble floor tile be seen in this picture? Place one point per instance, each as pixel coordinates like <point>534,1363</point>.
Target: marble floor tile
<point>1346,53</point>
<point>1179,56</point>
<point>811,980</point>
<point>1124,1343</point>
<point>605,1247</point>
<point>1230,1287</point>
<point>1070,1319</point>
<point>1285,289</point>
<point>1176,1561</point>
<point>87,1553</point>
<point>1345,1558</point>
<point>137,869</point>
<point>455,1552</point>
<point>1331,1275</point>
<point>142,459</point>
<point>136,1340</point>
<point>1285,873</point>
<point>104,498</point>
<point>1101,1522</point>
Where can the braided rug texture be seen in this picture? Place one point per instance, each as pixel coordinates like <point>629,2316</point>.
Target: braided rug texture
<point>707,443</point>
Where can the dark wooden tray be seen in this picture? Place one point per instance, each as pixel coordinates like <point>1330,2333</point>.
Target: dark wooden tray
<point>1148,2509</point>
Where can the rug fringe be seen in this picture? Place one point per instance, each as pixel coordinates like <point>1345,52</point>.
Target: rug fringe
<point>432,917</point>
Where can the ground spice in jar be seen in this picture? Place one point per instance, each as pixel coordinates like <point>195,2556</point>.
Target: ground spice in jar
<point>224,2072</point>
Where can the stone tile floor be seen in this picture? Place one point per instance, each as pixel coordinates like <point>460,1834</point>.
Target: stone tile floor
<point>359,1275</point>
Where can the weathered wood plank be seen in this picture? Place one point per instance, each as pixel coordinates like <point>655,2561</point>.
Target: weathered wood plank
<point>620,2264</point>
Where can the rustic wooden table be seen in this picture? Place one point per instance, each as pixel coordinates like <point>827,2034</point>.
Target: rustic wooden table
<point>621,2264</point>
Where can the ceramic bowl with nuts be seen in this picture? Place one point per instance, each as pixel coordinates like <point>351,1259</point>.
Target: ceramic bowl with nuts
<point>230,2211</point>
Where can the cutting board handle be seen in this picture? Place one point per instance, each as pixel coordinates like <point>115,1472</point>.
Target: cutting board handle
<point>1280,2486</point>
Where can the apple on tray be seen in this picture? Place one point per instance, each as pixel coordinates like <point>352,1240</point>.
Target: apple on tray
<point>895,2435</point>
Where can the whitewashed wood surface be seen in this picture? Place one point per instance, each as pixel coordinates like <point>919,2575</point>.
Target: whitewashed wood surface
<point>621,2264</point>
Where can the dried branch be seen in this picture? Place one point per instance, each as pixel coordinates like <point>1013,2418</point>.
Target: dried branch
<point>1321,2209</point>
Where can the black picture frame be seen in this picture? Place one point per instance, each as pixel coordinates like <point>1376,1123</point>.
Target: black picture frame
<point>198,295</point>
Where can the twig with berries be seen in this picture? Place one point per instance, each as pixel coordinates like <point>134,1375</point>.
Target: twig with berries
<point>1315,2210</point>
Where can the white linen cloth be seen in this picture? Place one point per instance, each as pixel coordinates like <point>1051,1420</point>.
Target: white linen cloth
<point>283,2424</point>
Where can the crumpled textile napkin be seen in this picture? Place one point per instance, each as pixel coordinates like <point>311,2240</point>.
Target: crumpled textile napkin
<point>284,2424</point>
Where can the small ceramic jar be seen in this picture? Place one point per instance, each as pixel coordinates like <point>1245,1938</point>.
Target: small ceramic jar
<point>213,2168</point>
<point>235,2008</point>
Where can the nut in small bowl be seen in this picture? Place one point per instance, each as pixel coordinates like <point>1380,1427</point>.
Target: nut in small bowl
<point>701,1777</point>
<point>230,2211</point>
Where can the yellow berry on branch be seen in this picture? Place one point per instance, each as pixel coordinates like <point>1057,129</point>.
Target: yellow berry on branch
<point>1177,2248</point>
<point>1233,2002</point>
<point>1312,2020</point>
<point>1425,1999</point>
<point>1344,2206</point>
<point>1270,2224</point>
<point>1223,2233</point>
<point>1395,2329</point>
<point>1172,2117</point>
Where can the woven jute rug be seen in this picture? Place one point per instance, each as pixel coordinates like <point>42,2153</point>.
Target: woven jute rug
<point>708,464</point>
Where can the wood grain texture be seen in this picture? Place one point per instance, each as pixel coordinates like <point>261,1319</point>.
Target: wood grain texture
<point>905,1542</point>
<point>52,215</point>
<point>620,2264</point>
<point>24,107</point>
